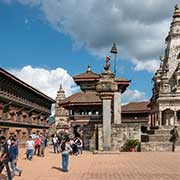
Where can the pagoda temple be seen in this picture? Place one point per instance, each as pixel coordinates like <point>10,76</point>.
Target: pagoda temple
<point>94,113</point>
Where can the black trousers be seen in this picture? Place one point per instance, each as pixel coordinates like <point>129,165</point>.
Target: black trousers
<point>6,165</point>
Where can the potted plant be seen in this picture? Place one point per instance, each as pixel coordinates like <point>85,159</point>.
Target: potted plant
<point>131,145</point>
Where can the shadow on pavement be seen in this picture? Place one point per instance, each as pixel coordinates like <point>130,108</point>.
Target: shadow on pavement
<point>57,168</point>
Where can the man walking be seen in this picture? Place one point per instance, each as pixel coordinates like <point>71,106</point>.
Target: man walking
<point>174,137</point>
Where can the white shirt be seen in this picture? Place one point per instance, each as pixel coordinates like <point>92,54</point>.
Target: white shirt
<point>55,140</point>
<point>9,143</point>
<point>30,144</point>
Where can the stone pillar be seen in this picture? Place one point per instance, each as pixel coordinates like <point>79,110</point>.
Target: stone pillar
<point>152,116</point>
<point>156,119</point>
<point>107,123</point>
<point>167,120</point>
<point>160,118</point>
<point>117,107</point>
<point>175,118</point>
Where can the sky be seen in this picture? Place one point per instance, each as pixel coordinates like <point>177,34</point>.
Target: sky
<point>46,42</point>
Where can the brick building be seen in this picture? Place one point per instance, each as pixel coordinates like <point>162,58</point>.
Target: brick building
<point>23,109</point>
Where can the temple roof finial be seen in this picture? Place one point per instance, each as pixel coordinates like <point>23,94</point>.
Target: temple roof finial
<point>176,11</point>
<point>89,68</point>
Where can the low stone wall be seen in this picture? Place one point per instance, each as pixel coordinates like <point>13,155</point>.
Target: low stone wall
<point>120,133</point>
<point>123,132</point>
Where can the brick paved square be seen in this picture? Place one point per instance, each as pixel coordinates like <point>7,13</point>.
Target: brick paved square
<point>124,166</point>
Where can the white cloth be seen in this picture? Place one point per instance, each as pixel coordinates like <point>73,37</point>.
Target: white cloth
<point>30,144</point>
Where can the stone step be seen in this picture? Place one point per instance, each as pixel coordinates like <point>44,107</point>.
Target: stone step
<point>155,138</point>
<point>166,127</point>
<point>159,138</point>
<point>162,131</point>
<point>158,146</point>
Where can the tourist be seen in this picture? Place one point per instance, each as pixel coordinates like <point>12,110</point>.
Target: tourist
<point>55,143</point>
<point>174,137</point>
<point>42,146</point>
<point>5,157</point>
<point>37,145</point>
<point>80,145</point>
<point>46,141</point>
<point>29,148</point>
<point>13,150</point>
<point>66,149</point>
<point>9,141</point>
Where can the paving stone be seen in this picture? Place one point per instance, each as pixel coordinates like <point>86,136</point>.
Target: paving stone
<point>123,166</point>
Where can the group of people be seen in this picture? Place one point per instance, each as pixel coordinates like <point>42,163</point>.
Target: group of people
<point>9,156</point>
<point>67,146</point>
<point>36,146</point>
<point>75,143</point>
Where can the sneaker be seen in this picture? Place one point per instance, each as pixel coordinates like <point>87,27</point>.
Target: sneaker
<point>20,172</point>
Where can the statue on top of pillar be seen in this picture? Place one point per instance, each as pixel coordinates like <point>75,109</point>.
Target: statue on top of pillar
<point>107,65</point>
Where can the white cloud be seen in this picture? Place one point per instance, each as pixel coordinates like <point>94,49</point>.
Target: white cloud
<point>47,81</point>
<point>138,27</point>
<point>149,65</point>
<point>133,95</point>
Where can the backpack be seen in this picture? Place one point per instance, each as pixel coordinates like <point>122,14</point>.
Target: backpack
<point>63,146</point>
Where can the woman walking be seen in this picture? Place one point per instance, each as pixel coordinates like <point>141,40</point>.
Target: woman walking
<point>66,149</point>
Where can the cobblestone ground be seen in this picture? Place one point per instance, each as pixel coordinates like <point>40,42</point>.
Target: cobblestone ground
<point>124,166</point>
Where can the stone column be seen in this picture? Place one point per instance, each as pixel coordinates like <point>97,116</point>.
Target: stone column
<point>156,119</point>
<point>106,123</point>
<point>167,120</point>
<point>117,108</point>
<point>160,118</point>
<point>152,116</point>
<point>175,118</point>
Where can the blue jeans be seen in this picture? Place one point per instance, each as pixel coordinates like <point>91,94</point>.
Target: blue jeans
<point>29,154</point>
<point>14,168</point>
<point>55,147</point>
<point>65,161</point>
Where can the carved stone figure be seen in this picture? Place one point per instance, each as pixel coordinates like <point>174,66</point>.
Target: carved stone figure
<point>107,65</point>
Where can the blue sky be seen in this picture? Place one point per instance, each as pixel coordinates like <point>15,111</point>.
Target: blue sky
<point>42,36</point>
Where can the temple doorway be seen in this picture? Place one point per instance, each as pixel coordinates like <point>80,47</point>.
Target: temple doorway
<point>168,117</point>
